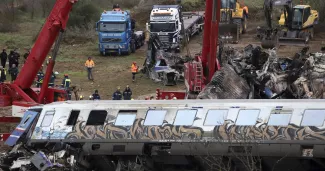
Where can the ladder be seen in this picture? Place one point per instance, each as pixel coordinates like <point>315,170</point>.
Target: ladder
<point>198,77</point>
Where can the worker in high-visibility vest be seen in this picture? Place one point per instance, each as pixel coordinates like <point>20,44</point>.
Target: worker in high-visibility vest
<point>90,64</point>
<point>48,60</point>
<point>40,77</point>
<point>3,74</point>
<point>52,80</point>
<point>134,70</point>
<point>66,81</point>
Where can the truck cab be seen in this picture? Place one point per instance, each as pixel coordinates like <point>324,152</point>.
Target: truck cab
<point>166,22</point>
<point>115,31</point>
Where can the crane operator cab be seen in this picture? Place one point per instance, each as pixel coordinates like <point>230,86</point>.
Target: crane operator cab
<point>299,29</point>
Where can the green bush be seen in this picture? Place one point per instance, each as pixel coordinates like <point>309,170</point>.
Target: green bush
<point>83,14</point>
<point>192,5</point>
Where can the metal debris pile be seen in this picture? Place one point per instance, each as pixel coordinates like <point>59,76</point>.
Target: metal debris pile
<point>25,159</point>
<point>162,66</point>
<point>261,74</point>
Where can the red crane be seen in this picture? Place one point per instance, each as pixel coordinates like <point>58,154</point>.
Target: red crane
<point>199,72</point>
<point>19,93</point>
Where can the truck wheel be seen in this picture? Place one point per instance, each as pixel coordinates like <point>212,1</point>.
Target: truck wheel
<point>129,49</point>
<point>244,25</point>
<point>133,47</point>
<point>200,28</point>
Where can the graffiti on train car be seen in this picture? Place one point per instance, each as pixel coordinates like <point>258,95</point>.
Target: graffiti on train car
<point>261,131</point>
<point>136,131</point>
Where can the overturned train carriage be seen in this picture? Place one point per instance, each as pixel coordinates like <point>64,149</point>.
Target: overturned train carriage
<point>165,134</point>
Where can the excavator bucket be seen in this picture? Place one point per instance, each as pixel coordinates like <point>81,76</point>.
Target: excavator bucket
<point>284,41</point>
<point>229,33</point>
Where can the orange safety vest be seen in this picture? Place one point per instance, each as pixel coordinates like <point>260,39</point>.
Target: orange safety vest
<point>60,99</point>
<point>246,9</point>
<point>90,63</point>
<point>134,68</point>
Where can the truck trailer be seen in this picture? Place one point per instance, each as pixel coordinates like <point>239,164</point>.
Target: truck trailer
<point>116,33</point>
<point>173,26</point>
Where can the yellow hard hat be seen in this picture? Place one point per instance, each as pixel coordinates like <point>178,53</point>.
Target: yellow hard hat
<point>132,99</point>
<point>50,57</point>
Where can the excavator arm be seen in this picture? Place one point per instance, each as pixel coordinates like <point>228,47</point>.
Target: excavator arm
<point>270,38</point>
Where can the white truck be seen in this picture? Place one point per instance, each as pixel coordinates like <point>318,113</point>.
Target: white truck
<point>174,26</point>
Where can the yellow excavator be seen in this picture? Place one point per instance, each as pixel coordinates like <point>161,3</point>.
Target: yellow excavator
<point>295,27</point>
<point>233,20</point>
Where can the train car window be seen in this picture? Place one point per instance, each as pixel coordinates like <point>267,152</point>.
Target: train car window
<point>125,118</point>
<point>215,117</point>
<point>97,117</point>
<point>47,120</point>
<point>279,120</point>
<point>313,117</point>
<point>73,117</point>
<point>155,117</point>
<point>185,117</point>
<point>247,117</point>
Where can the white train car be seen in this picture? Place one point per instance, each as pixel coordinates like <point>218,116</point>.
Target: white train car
<point>267,128</point>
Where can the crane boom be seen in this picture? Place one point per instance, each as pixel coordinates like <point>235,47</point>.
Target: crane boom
<point>56,21</point>
<point>19,94</point>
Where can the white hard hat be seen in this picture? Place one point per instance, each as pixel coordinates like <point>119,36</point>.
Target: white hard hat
<point>56,73</point>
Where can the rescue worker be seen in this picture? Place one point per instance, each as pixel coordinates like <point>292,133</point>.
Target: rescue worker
<point>66,82</point>
<point>60,98</point>
<point>134,70</point>
<point>48,60</point>
<point>90,65</point>
<point>117,94</point>
<point>13,71</point>
<point>16,58</point>
<point>96,96</point>
<point>116,7</point>
<point>40,77</point>
<point>52,80</point>
<point>26,55</point>
<point>127,93</point>
<point>4,57</point>
<point>11,58</point>
<point>3,74</point>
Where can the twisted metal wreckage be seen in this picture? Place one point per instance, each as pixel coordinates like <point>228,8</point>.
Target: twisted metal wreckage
<point>250,73</point>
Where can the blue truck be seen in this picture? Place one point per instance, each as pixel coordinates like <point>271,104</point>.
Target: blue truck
<point>117,35</point>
